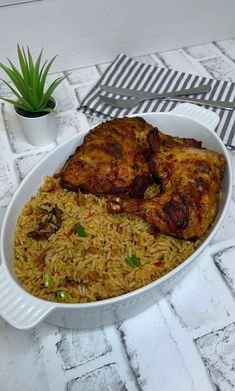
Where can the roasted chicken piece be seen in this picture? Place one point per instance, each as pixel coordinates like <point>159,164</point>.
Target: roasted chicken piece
<point>190,178</point>
<point>111,160</point>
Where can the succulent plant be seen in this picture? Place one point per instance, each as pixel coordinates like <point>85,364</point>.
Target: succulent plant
<point>28,82</point>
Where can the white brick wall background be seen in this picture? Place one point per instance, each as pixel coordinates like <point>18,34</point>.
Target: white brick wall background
<point>184,342</point>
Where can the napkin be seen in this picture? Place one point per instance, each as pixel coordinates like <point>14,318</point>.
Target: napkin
<point>127,72</point>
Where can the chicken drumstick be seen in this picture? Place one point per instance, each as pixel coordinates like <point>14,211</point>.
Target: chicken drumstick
<point>190,178</point>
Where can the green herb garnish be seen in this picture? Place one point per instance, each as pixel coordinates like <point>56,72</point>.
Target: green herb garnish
<point>80,231</point>
<point>133,261</point>
<point>61,295</point>
<point>48,281</point>
<point>17,255</point>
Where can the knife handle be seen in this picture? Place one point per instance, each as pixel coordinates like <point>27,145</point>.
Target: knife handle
<point>133,102</point>
<point>206,102</point>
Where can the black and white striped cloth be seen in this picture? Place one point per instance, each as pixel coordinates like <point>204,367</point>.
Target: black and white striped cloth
<point>126,72</point>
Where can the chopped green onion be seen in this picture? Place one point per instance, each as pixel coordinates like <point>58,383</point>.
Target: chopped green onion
<point>80,231</point>
<point>17,255</point>
<point>133,261</point>
<point>48,281</point>
<point>61,295</point>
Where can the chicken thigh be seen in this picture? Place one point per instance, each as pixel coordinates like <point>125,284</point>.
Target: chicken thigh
<point>190,178</point>
<point>111,160</point>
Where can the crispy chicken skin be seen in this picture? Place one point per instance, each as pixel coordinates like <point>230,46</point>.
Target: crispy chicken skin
<point>190,178</point>
<point>111,160</point>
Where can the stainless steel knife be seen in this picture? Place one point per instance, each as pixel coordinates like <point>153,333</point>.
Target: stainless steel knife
<point>132,102</point>
<point>152,95</point>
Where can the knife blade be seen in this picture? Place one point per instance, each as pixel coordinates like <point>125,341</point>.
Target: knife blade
<point>131,92</point>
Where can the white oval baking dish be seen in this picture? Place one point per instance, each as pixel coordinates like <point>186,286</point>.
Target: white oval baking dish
<point>24,311</point>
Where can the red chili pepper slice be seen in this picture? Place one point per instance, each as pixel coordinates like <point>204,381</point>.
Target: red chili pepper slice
<point>158,263</point>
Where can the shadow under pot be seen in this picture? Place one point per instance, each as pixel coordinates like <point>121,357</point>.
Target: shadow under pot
<point>40,128</point>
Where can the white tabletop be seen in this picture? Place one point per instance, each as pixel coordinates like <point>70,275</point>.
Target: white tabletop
<point>186,341</point>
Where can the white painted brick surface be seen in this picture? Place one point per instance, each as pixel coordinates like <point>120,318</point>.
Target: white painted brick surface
<point>24,164</point>
<point>84,76</point>
<point>153,353</point>
<point>227,48</point>
<point>2,213</point>
<point>232,157</point>
<point>186,302</point>
<point>22,365</point>
<point>146,60</point>
<point>68,125</point>
<point>186,341</point>
<point>157,60</point>
<point>102,67</point>
<point>228,226</point>
<point>225,262</point>
<point>82,92</point>
<point>218,353</point>
<point>181,61</point>
<point>105,379</point>
<point>220,68</point>
<point>76,348</point>
<point>205,51</point>
<point>6,186</point>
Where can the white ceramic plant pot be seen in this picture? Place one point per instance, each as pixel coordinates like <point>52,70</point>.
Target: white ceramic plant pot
<point>39,131</point>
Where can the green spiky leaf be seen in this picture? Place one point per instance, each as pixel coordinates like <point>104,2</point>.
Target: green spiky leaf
<point>27,83</point>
